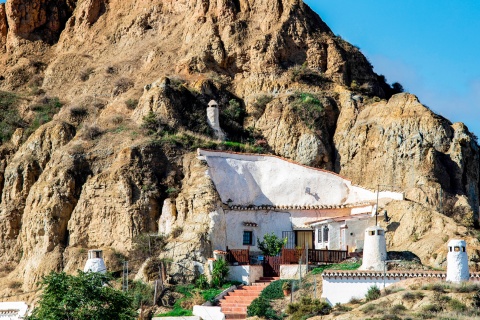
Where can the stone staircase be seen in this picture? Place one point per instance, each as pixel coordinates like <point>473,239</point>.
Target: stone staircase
<point>234,304</point>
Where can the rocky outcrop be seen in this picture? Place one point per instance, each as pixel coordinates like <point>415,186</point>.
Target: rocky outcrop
<point>191,222</point>
<point>38,20</point>
<point>21,174</point>
<point>403,144</point>
<point>3,26</point>
<point>295,130</point>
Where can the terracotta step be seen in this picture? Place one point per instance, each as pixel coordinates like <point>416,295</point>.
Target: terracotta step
<point>234,309</point>
<point>243,293</point>
<point>234,304</point>
<point>270,278</point>
<point>235,316</point>
<point>260,284</point>
<point>251,288</point>
<point>239,298</point>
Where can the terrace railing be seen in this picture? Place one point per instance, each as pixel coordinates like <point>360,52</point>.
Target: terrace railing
<point>238,256</point>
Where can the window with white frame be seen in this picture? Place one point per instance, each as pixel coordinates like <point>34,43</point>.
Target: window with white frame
<point>323,234</point>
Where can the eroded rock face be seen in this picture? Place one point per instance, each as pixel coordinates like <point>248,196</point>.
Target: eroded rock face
<point>402,143</point>
<point>39,19</point>
<point>3,26</point>
<point>21,174</point>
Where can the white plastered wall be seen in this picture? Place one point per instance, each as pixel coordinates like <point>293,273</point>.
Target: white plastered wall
<point>342,290</point>
<point>266,180</point>
<point>245,274</point>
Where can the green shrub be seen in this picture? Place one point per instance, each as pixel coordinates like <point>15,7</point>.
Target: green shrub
<point>234,111</point>
<point>210,294</point>
<point>355,301</point>
<point>44,112</point>
<point>398,308</point>
<point>437,287</point>
<point>308,307</point>
<point>342,308</point>
<point>373,293</point>
<point>466,287</point>
<point>202,282</point>
<point>177,312</point>
<point>433,308</point>
<point>220,272</point>
<point>131,103</point>
<point>274,290</point>
<point>369,308</point>
<point>258,307</point>
<point>78,111</point>
<point>412,296</point>
<point>142,294</point>
<point>309,108</point>
<point>457,306</point>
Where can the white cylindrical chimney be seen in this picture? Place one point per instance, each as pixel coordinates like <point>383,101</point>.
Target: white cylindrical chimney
<point>374,249</point>
<point>457,261</point>
<point>95,262</point>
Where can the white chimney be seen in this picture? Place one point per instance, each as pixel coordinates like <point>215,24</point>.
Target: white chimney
<point>374,249</point>
<point>457,261</point>
<point>95,262</point>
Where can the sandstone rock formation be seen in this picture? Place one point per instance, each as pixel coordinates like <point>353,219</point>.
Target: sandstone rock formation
<point>94,177</point>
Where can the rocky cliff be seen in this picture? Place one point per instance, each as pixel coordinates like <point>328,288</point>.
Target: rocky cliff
<point>135,78</point>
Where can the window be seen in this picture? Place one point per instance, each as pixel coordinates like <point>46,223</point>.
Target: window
<point>247,238</point>
<point>457,249</point>
<point>380,232</point>
<point>323,234</point>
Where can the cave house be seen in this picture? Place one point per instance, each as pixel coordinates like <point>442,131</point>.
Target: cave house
<point>311,207</point>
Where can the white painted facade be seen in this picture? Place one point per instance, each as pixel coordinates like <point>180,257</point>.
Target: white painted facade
<point>342,290</point>
<point>95,262</point>
<point>374,249</point>
<point>342,286</point>
<point>242,179</point>
<point>247,274</point>
<point>457,261</point>
<point>13,310</point>
<point>341,233</point>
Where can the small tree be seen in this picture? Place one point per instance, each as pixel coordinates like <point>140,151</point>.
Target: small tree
<point>83,297</point>
<point>271,244</point>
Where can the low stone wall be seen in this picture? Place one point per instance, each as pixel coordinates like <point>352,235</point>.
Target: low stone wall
<point>292,271</point>
<point>342,286</point>
<point>247,274</point>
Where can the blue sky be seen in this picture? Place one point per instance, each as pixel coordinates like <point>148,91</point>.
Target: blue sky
<point>430,47</point>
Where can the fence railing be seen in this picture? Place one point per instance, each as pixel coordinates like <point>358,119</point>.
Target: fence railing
<point>291,256</point>
<point>327,256</point>
<point>238,256</point>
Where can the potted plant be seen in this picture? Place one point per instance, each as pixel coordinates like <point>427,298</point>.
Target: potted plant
<point>287,288</point>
